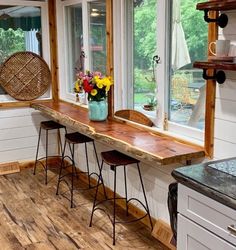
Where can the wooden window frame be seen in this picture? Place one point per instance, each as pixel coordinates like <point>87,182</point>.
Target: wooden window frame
<point>52,47</point>
<point>208,142</point>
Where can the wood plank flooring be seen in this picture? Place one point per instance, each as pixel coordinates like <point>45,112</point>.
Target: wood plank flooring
<point>33,217</point>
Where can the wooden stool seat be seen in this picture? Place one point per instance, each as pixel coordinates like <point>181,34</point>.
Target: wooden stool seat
<point>50,125</point>
<point>76,138</point>
<point>115,158</point>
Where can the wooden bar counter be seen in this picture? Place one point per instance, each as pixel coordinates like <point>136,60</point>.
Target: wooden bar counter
<point>136,141</point>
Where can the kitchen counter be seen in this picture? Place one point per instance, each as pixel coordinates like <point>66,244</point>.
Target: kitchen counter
<point>209,181</point>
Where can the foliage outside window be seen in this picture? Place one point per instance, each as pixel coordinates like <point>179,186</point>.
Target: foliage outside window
<point>149,33</point>
<point>187,87</point>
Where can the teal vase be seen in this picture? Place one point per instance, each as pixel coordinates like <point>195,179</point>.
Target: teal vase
<point>98,111</point>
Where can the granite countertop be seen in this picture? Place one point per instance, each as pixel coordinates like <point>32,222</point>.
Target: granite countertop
<point>208,180</point>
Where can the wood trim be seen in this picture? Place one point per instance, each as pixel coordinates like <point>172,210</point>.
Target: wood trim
<point>109,43</point>
<point>5,105</point>
<point>30,164</point>
<point>53,47</point>
<point>210,96</point>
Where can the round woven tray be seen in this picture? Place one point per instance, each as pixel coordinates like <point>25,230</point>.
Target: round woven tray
<point>25,76</point>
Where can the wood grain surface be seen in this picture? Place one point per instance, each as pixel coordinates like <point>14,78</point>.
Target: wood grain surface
<point>215,65</point>
<point>139,143</point>
<point>217,5</point>
<point>33,217</point>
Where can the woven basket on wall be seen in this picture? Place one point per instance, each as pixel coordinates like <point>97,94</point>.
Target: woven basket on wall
<point>25,76</point>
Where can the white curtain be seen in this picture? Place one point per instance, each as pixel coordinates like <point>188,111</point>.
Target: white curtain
<point>180,53</point>
<point>31,42</point>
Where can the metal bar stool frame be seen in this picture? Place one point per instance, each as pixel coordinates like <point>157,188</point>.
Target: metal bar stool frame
<point>113,219</point>
<point>74,172</point>
<point>45,166</point>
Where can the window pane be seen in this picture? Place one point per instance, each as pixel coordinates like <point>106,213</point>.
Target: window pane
<point>97,36</point>
<point>74,36</point>
<point>144,47</point>
<point>20,28</point>
<point>189,44</point>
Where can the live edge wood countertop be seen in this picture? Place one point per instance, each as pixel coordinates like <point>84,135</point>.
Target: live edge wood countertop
<point>135,141</point>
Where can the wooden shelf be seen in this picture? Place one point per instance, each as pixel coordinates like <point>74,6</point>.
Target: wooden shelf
<point>215,65</point>
<point>218,74</point>
<point>217,5</point>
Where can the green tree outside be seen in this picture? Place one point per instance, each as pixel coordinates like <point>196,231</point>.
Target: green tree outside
<point>11,41</point>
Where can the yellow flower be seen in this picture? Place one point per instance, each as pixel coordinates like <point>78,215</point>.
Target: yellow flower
<point>94,92</point>
<point>98,82</point>
<point>107,81</point>
<point>77,86</point>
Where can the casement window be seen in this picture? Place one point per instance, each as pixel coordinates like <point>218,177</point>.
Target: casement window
<point>23,27</point>
<point>155,45</point>
<point>81,41</point>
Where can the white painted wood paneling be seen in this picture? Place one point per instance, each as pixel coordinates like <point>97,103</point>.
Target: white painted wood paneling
<point>230,28</point>
<point>225,110</point>
<point>19,135</point>
<point>225,113</point>
<point>224,149</point>
<point>225,130</point>
<point>227,90</point>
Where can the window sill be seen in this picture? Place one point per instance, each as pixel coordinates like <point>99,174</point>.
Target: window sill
<point>83,105</point>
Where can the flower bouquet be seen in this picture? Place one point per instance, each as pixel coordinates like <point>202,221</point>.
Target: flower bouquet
<point>96,86</point>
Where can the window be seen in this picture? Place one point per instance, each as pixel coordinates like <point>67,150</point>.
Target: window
<point>153,61</point>
<point>189,44</point>
<point>23,27</point>
<point>82,43</point>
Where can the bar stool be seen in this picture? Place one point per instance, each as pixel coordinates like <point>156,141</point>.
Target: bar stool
<point>116,159</point>
<point>72,139</point>
<point>47,125</point>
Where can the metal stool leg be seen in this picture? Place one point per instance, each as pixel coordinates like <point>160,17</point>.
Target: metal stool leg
<point>114,209</point>
<point>36,158</point>
<point>99,168</point>
<point>87,163</point>
<point>46,164</point>
<point>144,194</point>
<point>62,166</point>
<point>59,139</point>
<point>95,197</point>
<point>72,175</point>
<point>126,191</point>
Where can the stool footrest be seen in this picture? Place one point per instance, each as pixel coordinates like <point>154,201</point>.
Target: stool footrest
<point>120,222</point>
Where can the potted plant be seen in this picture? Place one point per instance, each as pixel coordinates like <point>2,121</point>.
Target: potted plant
<point>151,103</point>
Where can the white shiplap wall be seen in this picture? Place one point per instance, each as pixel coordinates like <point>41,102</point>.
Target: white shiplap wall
<point>19,133</point>
<point>225,114</point>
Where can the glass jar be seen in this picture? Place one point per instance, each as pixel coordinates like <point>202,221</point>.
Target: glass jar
<point>98,110</point>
